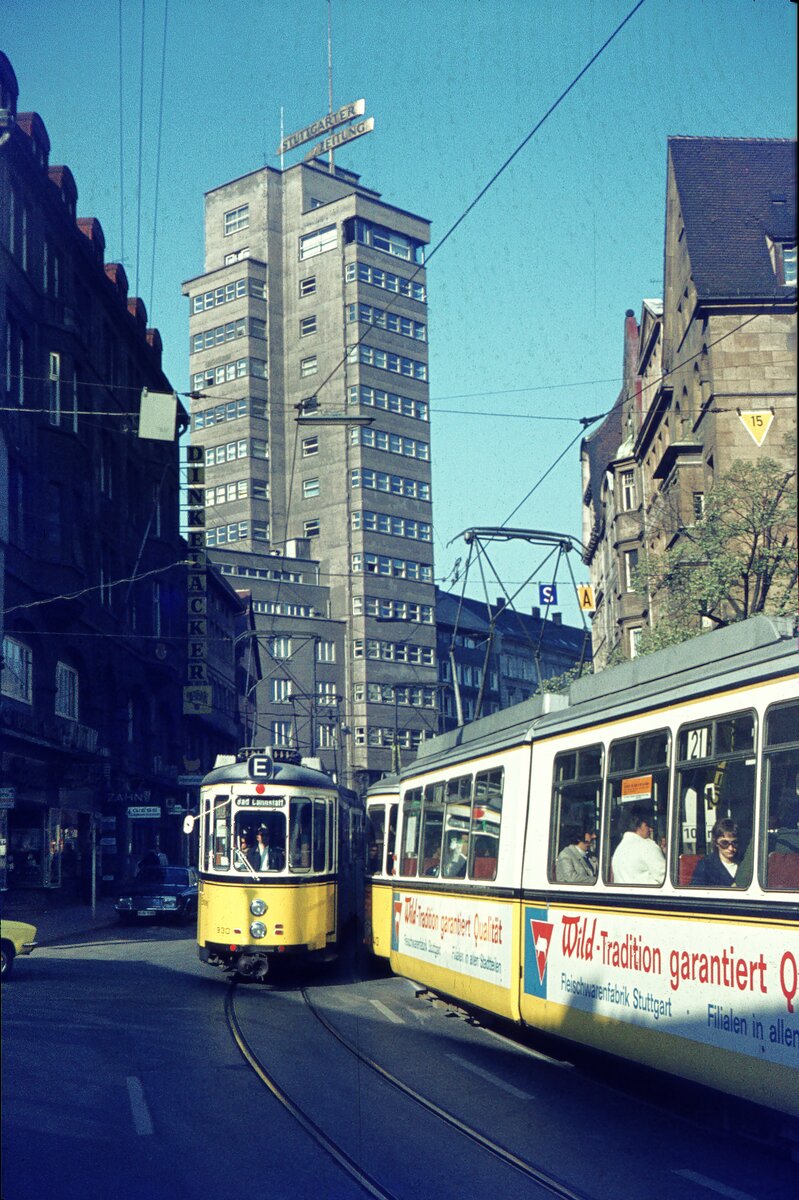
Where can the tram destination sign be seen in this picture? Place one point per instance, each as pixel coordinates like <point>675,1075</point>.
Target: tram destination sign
<point>260,801</point>
<point>331,121</point>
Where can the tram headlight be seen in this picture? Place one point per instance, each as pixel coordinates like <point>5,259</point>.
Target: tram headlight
<point>258,929</point>
<point>258,908</point>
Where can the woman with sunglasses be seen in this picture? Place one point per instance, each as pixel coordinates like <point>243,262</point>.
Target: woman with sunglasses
<point>720,866</point>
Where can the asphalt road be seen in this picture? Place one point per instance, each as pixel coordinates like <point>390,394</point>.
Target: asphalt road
<point>121,1080</point>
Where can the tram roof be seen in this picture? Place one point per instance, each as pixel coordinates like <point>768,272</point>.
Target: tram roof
<point>725,658</point>
<point>283,775</point>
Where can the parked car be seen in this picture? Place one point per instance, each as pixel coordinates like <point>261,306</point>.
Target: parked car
<point>159,892</point>
<point>16,937</point>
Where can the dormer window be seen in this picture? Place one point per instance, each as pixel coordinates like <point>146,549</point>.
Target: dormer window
<point>788,256</point>
<point>783,261</point>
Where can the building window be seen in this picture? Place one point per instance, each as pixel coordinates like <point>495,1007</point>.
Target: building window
<point>310,488</point>
<point>308,286</point>
<point>281,733</point>
<point>66,692</point>
<point>310,528</point>
<point>16,679</point>
<point>325,651</point>
<point>326,737</point>
<point>237,219</point>
<point>699,505</point>
<point>788,255</point>
<point>308,326</point>
<point>628,493</point>
<point>326,693</point>
<point>630,567</point>
<point>280,691</point>
<point>310,446</point>
<point>634,638</point>
<point>318,242</point>
<point>54,379</point>
<point>308,366</point>
<point>280,647</point>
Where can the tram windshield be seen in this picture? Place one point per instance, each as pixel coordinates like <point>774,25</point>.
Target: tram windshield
<point>295,834</point>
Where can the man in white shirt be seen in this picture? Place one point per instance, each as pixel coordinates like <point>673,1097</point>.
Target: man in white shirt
<point>637,859</point>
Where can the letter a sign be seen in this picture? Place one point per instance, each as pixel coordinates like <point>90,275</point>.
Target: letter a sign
<point>585,597</point>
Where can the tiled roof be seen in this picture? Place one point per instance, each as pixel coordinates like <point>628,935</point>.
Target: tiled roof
<point>734,192</point>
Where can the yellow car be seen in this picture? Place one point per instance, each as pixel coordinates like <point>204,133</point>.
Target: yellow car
<point>16,937</point>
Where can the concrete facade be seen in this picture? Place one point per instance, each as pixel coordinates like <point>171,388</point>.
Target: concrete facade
<point>313,305</point>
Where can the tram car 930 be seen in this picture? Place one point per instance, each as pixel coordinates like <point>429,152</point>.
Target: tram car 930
<point>280,861</point>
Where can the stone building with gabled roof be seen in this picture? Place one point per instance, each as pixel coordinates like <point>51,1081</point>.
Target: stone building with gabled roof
<point>722,343</point>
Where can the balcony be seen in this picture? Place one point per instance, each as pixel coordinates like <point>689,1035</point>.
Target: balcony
<point>74,736</point>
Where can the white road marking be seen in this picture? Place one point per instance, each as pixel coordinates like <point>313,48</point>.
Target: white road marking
<point>713,1185</point>
<point>495,1079</point>
<point>141,1113</point>
<point>386,1011</point>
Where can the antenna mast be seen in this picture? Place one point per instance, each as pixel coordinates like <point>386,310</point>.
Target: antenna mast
<point>330,72</point>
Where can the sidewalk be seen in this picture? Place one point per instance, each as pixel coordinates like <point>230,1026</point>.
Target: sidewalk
<point>55,916</point>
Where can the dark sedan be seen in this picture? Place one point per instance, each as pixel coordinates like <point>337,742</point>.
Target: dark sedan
<point>160,892</point>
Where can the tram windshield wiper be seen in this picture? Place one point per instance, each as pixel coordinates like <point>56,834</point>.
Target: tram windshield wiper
<point>240,856</point>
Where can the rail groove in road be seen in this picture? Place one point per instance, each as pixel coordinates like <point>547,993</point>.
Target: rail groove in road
<point>550,1183</point>
<point>347,1164</point>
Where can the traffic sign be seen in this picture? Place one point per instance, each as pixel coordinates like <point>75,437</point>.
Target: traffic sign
<point>757,424</point>
<point>585,597</point>
<point>547,593</point>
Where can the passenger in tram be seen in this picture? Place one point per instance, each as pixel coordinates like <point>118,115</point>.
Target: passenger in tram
<point>576,863</point>
<point>720,867</point>
<point>455,867</point>
<point>637,858</point>
<point>434,866</point>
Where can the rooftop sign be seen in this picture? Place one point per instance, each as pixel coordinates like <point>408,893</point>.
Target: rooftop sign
<point>331,121</point>
<point>342,136</point>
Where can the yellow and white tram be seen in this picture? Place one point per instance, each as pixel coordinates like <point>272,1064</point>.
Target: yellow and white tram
<point>382,806</point>
<point>280,861</point>
<point>697,979</point>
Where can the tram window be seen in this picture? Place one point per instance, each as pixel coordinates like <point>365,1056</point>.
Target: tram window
<point>486,821</point>
<point>781,797</point>
<point>715,782</point>
<point>320,834</point>
<point>217,837</point>
<point>300,820</point>
<point>576,791</point>
<point>411,814</point>
<point>457,821</point>
<point>376,836</point>
<point>432,829</point>
<point>637,791</point>
<point>391,847</point>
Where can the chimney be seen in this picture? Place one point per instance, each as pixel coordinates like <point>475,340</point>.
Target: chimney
<point>557,618</point>
<point>536,612</point>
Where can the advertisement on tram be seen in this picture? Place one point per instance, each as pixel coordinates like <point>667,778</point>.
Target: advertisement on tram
<point>738,992</point>
<point>458,933</point>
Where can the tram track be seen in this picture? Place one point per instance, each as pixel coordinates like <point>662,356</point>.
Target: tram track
<point>548,1184</point>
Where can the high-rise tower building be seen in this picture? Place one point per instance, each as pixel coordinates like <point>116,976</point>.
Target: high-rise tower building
<point>309,370</point>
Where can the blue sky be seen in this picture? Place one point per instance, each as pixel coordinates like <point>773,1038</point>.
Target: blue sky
<point>527,298</point>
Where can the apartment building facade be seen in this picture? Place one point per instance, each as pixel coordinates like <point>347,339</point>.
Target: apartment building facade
<point>721,344</point>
